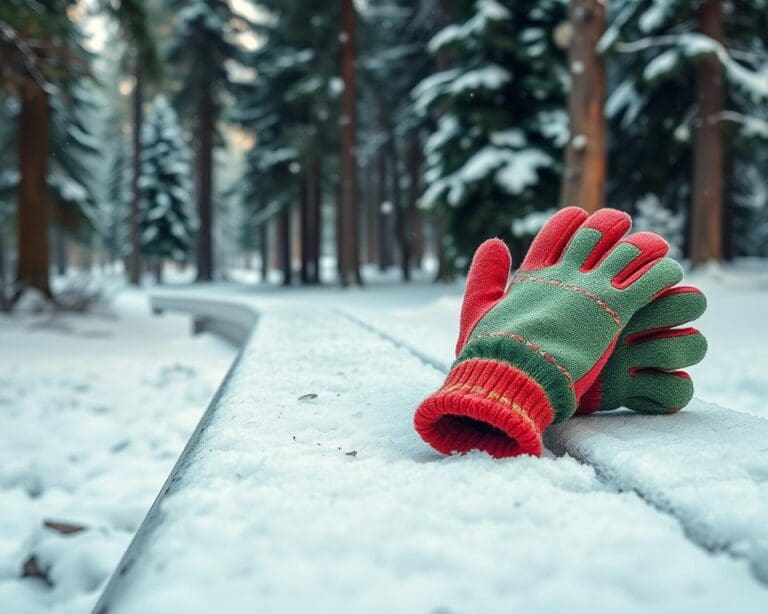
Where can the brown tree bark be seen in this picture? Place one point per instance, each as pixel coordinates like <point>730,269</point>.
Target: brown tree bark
<point>206,133</point>
<point>706,238</point>
<point>284,240</point>
<point>585,157</point>
<point>32,209</point>
<point>350,257</point>
<point>137,101</point>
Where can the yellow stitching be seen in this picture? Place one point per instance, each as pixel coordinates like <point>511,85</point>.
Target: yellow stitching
<point>491,395</point>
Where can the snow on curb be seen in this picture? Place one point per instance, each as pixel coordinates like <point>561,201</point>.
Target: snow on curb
<point>309,490</point>
<point>707,465</point>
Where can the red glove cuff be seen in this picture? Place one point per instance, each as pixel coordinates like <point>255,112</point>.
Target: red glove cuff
<point>485,405</point>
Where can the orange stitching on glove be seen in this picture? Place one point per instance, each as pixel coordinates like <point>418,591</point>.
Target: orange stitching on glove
<point>553,282</point>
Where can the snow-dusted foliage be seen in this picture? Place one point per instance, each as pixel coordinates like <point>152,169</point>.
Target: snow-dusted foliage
<point>289,104</point>
<point>652,49</point>
<point>494,154</point>
<point>167,211</point>
<point>652,216</point>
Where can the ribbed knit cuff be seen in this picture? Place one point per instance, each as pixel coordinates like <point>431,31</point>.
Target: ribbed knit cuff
<point>485,405</point>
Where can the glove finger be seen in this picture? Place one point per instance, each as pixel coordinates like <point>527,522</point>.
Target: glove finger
<point>672,307</point>
<point>486,283</point>
<point>668,350</point>
<point>547,248</point>
<point>632,257</point>
<point>652,280</point>
<point>659,392</point>
<point>596,237</point>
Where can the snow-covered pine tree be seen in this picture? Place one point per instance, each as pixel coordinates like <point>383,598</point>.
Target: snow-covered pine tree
<point>200,52</point>
<point>654,48</point>
<point>295,153</point>
<point>167,211</point>
<point>394,36</point>
<point>496,152</point>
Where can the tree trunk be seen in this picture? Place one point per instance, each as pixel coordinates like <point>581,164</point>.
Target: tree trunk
<point>372,217</point>
<point>158,270</point>
<point>350,257</point>
<point>706,240</point>
<point>585,158</point>
<point>314,218</point>
<point>401,212</point>
<point>134,258</point>
<point>415,229</point>
<point>304,238</point>
<point>32,208</point>
<point>59,250</point>
<point>284,234</point>
<point>445,269</point>
<point>383,207</point>
<point>264,250</point>
<point>2,268</point>
<point>206,129</point>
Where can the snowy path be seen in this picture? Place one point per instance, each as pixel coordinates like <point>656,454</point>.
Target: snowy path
<point>94,411</point>
<point>309,490</point>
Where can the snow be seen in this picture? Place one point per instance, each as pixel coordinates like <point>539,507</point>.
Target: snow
<point>332,502</point>
<point>347,510</point>
<point>94,411</point>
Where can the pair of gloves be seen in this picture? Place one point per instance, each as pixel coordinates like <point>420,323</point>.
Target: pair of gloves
<point>590,322</point>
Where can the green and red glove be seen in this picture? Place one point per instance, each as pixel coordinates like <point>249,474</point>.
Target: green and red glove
<point>643,373</point>
<point>528,355</point>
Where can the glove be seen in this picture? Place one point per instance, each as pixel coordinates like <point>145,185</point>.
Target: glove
<point>639,374</point>
<point>528,356</point>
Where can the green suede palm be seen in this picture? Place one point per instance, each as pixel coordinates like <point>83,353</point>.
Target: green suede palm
<point>567,306</point>
<point>643,373</point>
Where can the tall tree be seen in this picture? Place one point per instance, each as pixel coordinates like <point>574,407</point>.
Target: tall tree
<point>708,182</point>
<point>495,153</point>
<point>585,160</point>
<point>41,53</point>
<point>167,210</point>
<point>348,205</point>
<point>293,159</point>
<point>201,47</point>
<point>395,35</point>
<point>670,103</point>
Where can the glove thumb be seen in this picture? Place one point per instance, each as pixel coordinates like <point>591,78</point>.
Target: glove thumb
<point>486,285</point>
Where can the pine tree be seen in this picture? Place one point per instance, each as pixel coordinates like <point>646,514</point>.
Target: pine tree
<point>167,211</point>
<point>395,35</point>
<point>40,48</point>
<point>294,158</point>
<point>201,46</point>
<point>495,154</point>
<point>687,97</point>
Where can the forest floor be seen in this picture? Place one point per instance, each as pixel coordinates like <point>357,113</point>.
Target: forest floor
<point>95,409</point>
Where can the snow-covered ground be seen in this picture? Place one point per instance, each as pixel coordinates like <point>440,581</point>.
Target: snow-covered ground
<point>94,411</point>
<point>343,498</point>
